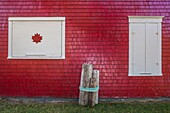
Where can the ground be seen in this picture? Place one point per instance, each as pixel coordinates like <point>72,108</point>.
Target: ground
<point>8,106</point>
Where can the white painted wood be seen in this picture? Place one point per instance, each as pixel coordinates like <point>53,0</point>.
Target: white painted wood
<point>10,39</point>
<point>152,53</point>
<point>149,37</point>
<point>130,68</point>
<point>52,45</point>
<point>63,39</point>
<point>145,19</point>
<point>160,48</point>
<point>36,57</point>
<point>36,18</point>
<point>23,43</point>
<point>138,49</point>
<point>145,74</point>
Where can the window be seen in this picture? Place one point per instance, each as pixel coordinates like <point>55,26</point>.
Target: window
<point>36,38</point>
<point>145,46</point>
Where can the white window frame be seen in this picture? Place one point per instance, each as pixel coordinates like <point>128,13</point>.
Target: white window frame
<point>145,19</point>
<point>10,36</point>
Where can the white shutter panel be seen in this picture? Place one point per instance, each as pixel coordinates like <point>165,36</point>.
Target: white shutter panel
<point>152,48</point>
<point>138,48</point>
<point>50,44</point>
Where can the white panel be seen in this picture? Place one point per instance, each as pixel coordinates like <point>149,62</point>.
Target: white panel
<point>145,19</point>
<point>152,48</point>
<point>138,48</point>
<point>23,44</point>
<point>20,42</point>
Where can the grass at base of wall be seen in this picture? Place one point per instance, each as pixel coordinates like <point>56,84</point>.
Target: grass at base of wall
<point>73,107</point>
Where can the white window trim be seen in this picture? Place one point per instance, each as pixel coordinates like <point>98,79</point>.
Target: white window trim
<point>10,21</point>
<point>145,19</point>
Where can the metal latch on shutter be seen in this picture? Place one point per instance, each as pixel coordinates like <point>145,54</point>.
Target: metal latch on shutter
<point>146,73</point>
<point>33,54</point>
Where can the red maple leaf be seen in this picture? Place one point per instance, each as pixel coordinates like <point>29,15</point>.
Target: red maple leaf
<point>36,38</point>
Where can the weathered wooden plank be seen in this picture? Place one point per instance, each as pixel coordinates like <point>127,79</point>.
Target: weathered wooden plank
<point>86,74</point>
<point>93,84</point>
<point>97,84</point>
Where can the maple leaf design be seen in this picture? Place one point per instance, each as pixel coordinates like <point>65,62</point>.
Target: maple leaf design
<point>36,38</point>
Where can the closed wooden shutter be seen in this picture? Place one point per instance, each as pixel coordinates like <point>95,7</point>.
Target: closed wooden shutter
<point>51,38</point>
<point>152,48</point>
<point>145,46</point>
<point>51,32</point>
<point>138,48</point>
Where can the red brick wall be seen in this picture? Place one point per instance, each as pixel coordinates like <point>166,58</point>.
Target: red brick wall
<point>96,32</point>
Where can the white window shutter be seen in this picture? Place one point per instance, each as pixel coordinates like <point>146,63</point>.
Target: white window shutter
<point>50,31</point>
<point>145,46</point>
<point>138,48</point>
<point>152,48</point>
<point>23,45</point>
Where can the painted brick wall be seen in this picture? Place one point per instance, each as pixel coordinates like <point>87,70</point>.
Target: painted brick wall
<point>96,32</point>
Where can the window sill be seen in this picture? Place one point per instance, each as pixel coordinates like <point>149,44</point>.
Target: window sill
<point>145,74</point>
<point>36,57</point>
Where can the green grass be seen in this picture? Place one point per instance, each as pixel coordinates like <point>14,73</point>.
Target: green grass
<point>134,107</point>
